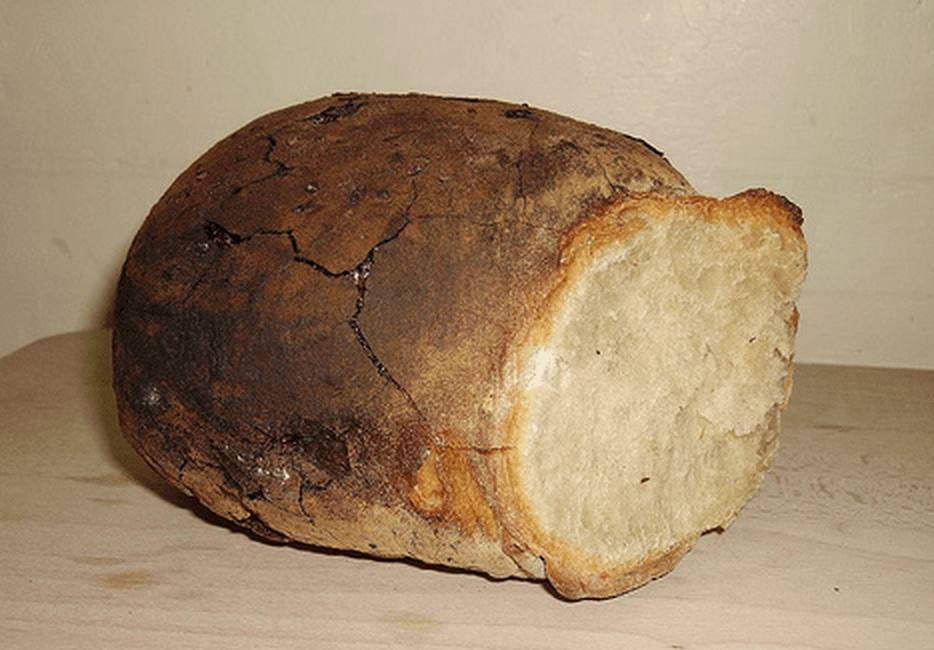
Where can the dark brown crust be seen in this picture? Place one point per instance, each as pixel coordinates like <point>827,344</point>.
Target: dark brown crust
<point>320,305</point>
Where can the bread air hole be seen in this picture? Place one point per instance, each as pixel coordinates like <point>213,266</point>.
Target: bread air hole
<point>653,404</point>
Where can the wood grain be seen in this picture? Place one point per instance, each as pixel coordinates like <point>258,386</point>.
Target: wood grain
<point>836,550</point>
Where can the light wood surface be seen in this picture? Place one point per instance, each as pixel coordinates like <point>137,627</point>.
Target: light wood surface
<point>835,551</point>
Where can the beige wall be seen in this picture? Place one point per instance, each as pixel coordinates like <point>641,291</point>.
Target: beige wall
<point>103,103</point>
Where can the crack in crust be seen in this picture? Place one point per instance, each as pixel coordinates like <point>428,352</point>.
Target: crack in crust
<point>282,169</point>
<point>359,274</point>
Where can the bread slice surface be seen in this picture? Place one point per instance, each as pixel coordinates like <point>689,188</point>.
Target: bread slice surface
<point>651,392</point>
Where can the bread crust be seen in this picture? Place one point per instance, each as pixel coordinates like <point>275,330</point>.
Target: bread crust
<point>313,324</point>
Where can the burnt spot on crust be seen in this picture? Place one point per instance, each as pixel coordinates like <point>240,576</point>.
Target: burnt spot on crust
<point>220,236</point>
<point>523,113</point>
<point>335,112</point>
<point>323,444</point>
<point>174,347</point>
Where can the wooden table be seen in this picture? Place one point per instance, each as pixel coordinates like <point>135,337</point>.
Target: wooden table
<point>836,550</point>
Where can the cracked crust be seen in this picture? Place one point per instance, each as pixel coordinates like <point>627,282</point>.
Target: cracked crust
<point>311,324</point>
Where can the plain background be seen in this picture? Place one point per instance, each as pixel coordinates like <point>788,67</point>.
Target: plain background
<point>831,103</point>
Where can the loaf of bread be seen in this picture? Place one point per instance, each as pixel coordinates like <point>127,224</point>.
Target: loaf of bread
<point>471,333</point>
